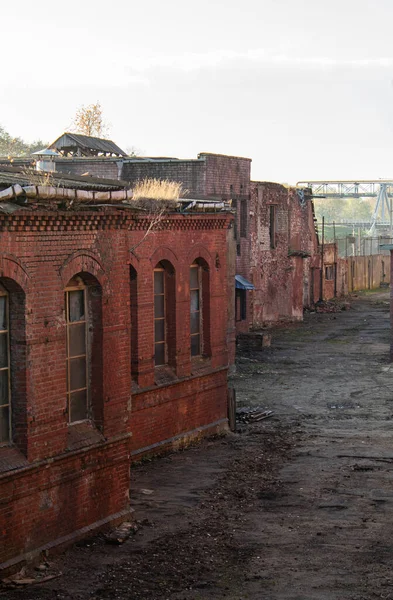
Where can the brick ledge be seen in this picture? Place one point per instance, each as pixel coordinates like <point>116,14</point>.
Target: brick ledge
<point>65,455</point>
<point>62,542</point>
<point>186,436</point>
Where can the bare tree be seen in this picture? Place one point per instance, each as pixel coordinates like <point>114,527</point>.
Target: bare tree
<point>134,151</point>
<point>88,120</point>
<point>156,216</point>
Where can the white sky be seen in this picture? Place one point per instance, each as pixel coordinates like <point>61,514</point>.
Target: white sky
<point>303,87</point>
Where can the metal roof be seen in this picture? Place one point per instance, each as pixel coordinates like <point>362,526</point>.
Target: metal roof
<point>86,144</point>
<point>17,175</point>
<point>46,152</point>
<point>243,284</point>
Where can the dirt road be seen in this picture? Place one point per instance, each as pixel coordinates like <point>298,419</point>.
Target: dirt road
<point>297,507</point>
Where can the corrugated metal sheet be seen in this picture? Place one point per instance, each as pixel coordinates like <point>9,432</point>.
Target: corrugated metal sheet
<point>85,143</point>
<point>243,284</point>
<point>13,175</point>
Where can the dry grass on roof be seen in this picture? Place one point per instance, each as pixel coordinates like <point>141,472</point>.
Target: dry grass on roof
<point>43,178</point>
<point>158,189</point>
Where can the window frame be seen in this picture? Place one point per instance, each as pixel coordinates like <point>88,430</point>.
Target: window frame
<point>80,286</point>
<point>160,269</point>
<point>4,294</point>
<point>329,272</point>
<point>200,310</point>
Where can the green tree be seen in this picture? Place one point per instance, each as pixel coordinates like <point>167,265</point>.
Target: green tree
<point>15,146</point>
<point>343,209</point>
<point>330,208</point>
<point>356,209</point>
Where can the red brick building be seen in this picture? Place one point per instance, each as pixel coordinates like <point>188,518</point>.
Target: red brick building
<point>114,342</point>
<point>285,257</point>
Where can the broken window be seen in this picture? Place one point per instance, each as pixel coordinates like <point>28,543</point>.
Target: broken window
<point>241,305</point>
<point>5,387</point>
<point>273,225</point>
<point>159,317</point>
<point>195,304</point>
<point>77,364</point>
<point>329,272</point>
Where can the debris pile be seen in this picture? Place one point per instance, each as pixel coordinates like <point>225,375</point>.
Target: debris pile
<point>332,306</point>
<point>121,533</point>
<point>28,576</point>
<point>246,414</point>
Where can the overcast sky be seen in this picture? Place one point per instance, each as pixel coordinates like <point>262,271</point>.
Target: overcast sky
<point>303,87</point>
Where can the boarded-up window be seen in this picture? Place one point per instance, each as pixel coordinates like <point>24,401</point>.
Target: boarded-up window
<point>77,364</point>
<point>5,388</point>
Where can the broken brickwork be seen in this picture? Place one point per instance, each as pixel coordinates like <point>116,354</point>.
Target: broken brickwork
<point>284,261</point>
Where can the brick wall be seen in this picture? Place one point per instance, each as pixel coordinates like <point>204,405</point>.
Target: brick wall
<point>191,173</point>
<point>47,501</point>
<point>283,275</point>
<point>209,175</point>
<point>107,168</point>
<point>226,176</point>
<point>159,415</point>
<point>40,253</point>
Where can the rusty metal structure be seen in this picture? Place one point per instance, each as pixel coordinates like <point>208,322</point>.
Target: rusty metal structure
<point>381,189</point>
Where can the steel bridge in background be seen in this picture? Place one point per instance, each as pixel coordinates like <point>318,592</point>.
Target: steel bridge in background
<point>381,189</point>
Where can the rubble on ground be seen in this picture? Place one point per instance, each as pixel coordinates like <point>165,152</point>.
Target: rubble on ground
<point>331,306</point>
<point>246,414</point>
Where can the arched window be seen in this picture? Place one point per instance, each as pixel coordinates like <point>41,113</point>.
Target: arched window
<point>164,314</point>
<point>5,369</point>
<point>199,308</point>
<point>84,349</point>
<point>160,357</point>
<point>134,322</point>
<point>13,418</point>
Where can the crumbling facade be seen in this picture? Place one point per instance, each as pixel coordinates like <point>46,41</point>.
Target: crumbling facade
<point>114,343</point>
<point>284,254</point>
